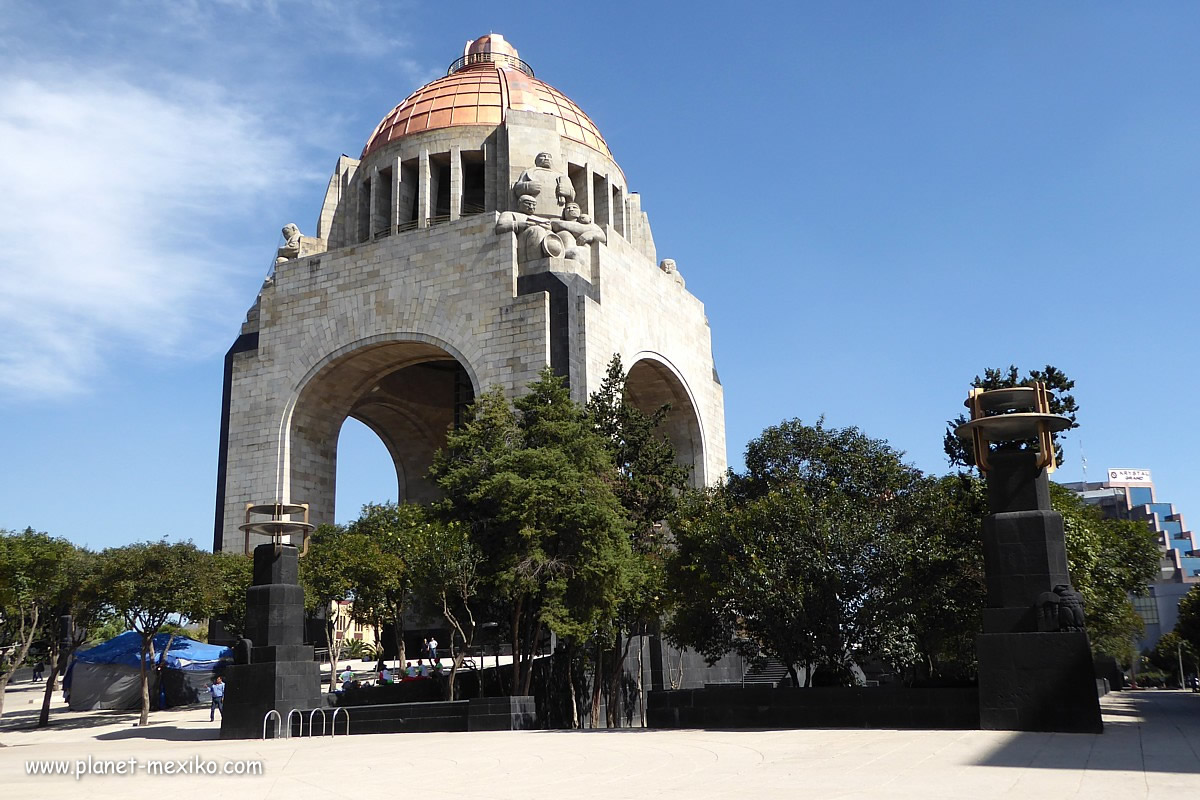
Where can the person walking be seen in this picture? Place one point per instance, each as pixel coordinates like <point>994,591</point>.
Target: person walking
<point>217,691</point>
<point>433,644</point>
<point>38,669</point>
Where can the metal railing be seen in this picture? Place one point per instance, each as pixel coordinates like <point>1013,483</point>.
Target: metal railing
<point>503,59</point>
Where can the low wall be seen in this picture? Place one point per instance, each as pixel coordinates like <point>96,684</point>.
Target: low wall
<point>858,707</point>
<point>475,714</point>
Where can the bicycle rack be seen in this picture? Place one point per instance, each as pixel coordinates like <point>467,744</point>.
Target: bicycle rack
<point>278,723</point>
<point>311,727</point>
<point>300,714</point>
<point>333,722</point>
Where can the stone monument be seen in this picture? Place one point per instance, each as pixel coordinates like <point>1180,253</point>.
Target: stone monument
<point>273,669</point>
<point>1035,662</point>
<point>484,233</point>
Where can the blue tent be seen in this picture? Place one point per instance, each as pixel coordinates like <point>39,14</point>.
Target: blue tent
<point>109,674</point>
<point>185,653</point>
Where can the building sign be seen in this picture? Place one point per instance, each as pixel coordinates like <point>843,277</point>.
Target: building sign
<point>1129,476</point>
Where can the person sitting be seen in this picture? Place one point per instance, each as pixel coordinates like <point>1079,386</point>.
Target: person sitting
<point>347,677</point>
<point>385,675</point>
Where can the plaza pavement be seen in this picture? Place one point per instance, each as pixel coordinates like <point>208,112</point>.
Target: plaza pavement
<point>1150,749</point>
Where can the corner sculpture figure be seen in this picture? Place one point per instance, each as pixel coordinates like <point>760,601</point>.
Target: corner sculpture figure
<point>550,189</point>
<point>535,236</point>
<point>1062,609</point>
<point>1035,662</point>
<point>667,265</point>
<point>291,248</point>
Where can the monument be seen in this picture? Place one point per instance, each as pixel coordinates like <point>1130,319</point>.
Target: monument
<point>1035,662</point>
<point>273,669</point>
<point>484,233</point>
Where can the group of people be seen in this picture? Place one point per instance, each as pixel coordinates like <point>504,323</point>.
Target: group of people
<point>383,675</point>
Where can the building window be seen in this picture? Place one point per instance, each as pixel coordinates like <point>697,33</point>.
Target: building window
<point>1147,609</point>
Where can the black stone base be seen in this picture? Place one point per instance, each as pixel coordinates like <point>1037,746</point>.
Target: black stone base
<point>1037,682</point>
<point>475,714</point>
<point>765,707</point>
<point>254,689</point>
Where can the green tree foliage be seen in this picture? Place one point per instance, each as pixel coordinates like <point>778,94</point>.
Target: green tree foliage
<point>77,602</point>
<point>1170,652</point>
<point>1109,560</point>
<point>940,560</point>
<point>447,570</point>
<point>648,484</point>
<point>336,557</point>
<point>232,574</point>
<point>1061,402</point>
<point>149,583</point>
<point>1188,624</point>
<point>533,483</point>
<point>383,579</point>
<point>32,580</point>
<point>794,559</point>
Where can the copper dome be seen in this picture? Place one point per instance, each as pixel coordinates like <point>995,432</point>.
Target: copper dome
<point>480,88</point>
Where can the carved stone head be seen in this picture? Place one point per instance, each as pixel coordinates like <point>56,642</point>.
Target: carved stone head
<point>527,204</point>
<point>544,160</point>
<point>290,231</point>
<point>667,265</point>
<point>571,211</point>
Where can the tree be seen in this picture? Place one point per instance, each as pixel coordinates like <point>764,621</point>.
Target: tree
<point>383,582</point>
<point>533,483</point>
<point>1062,402</point>
<point>940,564</point>
<point>794,559</point>
<point>31,576</point>
<point>327,575</point>
<point>649,482</point>
<point>149,583</point>
<point>1188,624</point>
<point>1173,653</point>
<point>1109,560</point>
<point>78,601</point>
<point>232,574</point>
<point>447,566</point>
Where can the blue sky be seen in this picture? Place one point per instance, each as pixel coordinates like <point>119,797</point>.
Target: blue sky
<point>875,201</point>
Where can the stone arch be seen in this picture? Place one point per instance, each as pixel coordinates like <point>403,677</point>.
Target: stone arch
<point>652,381</point>
<point>408,388</point>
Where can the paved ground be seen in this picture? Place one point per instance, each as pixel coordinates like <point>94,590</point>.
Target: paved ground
<point>1150,749</point>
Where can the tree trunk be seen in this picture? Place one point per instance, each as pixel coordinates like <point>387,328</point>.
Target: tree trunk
<point>597,680</point>
<point>641,690</point>
<point>334,656</point>
<point>147,646</point>
<point>516,649</point>
<point>793,674</point>
<point>533,641</point>
<point>398,636</point>
<point>19,658</point>
<point>44,715</point>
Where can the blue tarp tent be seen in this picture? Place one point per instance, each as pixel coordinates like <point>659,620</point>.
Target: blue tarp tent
<point>109,674</point>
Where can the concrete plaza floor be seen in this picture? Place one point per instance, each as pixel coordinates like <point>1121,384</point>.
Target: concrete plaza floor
<point>1150,749</point>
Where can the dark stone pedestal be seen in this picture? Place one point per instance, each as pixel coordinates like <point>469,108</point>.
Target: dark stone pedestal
<point>1032,676</point>
<point>255,689</point>
<point>1037,682</point>
<point>282,674</point>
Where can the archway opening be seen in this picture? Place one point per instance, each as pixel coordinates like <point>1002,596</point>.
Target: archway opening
<point>408,394</point>
<point>652,384</point>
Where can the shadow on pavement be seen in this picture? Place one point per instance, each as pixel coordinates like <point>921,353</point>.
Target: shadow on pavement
<point>1144,731</point>
<point>170,733</point>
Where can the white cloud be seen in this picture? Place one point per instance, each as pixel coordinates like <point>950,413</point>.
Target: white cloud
<point>109,214</point>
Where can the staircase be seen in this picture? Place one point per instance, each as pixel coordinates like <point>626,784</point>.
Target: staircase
<point>770,674</point>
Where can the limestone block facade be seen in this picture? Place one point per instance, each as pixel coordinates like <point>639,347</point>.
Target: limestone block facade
<point>425,285</point>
